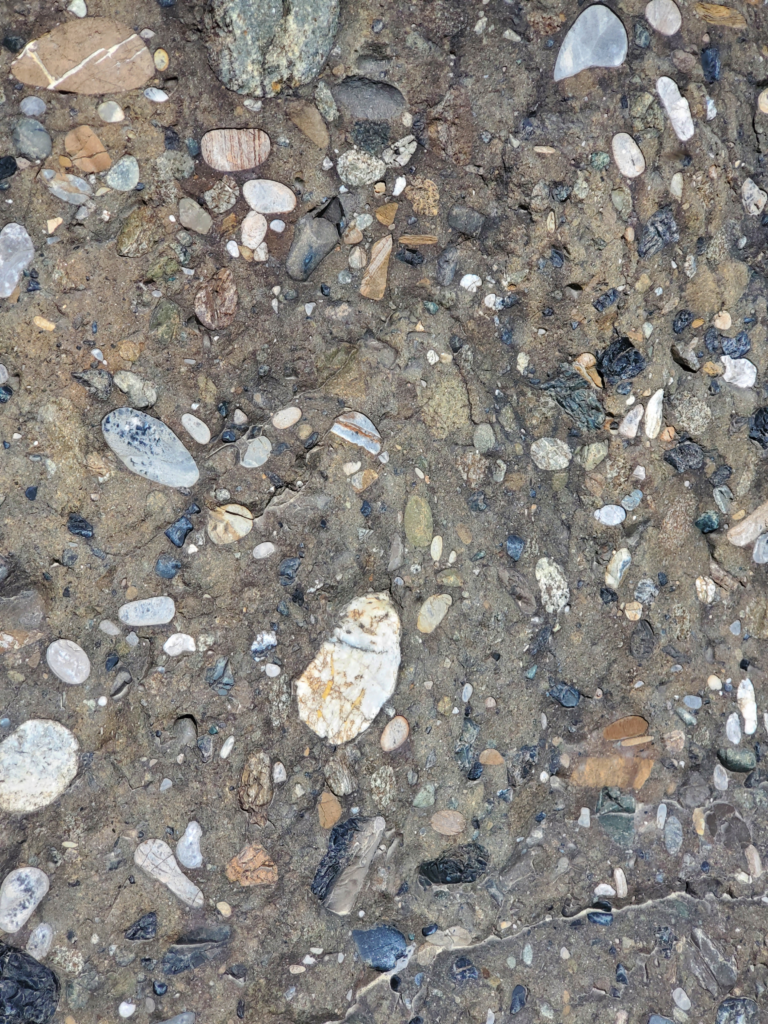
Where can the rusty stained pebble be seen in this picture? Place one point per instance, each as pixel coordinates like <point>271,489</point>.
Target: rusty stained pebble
<point>328,810</point>
<point>216,301</point>
<point>235,149</point>
<point>229,523</point>
<point>252,866</point>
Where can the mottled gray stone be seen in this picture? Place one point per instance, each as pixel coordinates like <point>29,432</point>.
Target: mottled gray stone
<point>31,139</point>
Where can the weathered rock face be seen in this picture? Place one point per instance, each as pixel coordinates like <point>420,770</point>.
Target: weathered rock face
<point>258,46</point>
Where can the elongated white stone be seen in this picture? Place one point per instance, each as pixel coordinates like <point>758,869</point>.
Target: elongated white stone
<point>196,429</point>
<point>653,414</point>
<point>745,698</point>
<point>149,448</point>
<point>597,39</point>
<point>68,662</point>
<point>760,550</point>
<point>617,567</point>
<point>358,429</point>
<point>37,763</point>
<point>354,673</point>
<point>188,847</point>
<point>156,859</point>
<point>20,893</point>
<point>151,611</point>
<point>733,728</point>
<point>628,155</point>
<point>677,108</point>
<point>268,197</point>
<point>630,425</point>
<point>179,643</point>
<point>16,253</point>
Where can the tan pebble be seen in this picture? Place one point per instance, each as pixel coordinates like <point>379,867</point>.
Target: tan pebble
<point>54,223</point>
<point>436,548</point>
<point>161,59</point>
<point>667,434</point>
<point>490,703</point>
<point>620,883</point>
<point>448,823</point>
<point>415,240</point>
<point>697,323</point>
<point>43,324</point>
<point>386,214</point>
<point>491,756</point>
<point>633,610</point>
<point>297,969</point>
<point>86,150</point>
<point>754,863</point>
<point>374,283</point>
<point>235,149</point>
<point>357,258</point>
<point>723,320</point>
<point>328,810</point>
<point>714,683</point>
<point>379,188</point>
<point>712,369</point>
<point>224,909</point>
<point>762,102</point>
<point>229,523</point>
<point>286,418</point>
<point>353,235</point>
<point>624,728</point>
<point>395,734</point>
<point>698,820</point>
<point>629,234</point>
<point>129,351</point>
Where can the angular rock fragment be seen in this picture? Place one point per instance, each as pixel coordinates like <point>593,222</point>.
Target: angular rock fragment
<point>597,39</point>
<point>16,253</point>
<point>252,866</point>
<point>660,230</point>
<point>374,282</point>
<point>256,782</point>
<point>143,929</point>
<point>90,57</point>
<point>358,429</point>
<point>344,688</point>
<point>216,301</point>
<point>453,867</point>
<point>380,947</point>
<point>29,991</point>
<point>314,237</point>
<point>342,871</point>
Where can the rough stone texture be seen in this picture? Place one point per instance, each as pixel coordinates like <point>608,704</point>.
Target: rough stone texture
<point>257,47</point>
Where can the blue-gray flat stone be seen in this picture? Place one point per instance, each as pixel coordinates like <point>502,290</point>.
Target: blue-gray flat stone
<point>31,139</point>
<point>597,39</point>
<point>149,448</point>
<point>124,175</point>
<point>16,253</point>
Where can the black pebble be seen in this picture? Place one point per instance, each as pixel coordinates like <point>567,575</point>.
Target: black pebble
<point>660,230</point>
<point>604,301</point>
<point>475,772</point>
<point>620,361</point>
<point>228,436</point>
<point>463,970</point>
<point>607,595</point>
<point>600,917</point>
<point>365,509</point>
<point>111,661</point>
<point>177,533</point>
<point>682,321</point>
<point>519,995</point>
<point>686,456</point>
<point>241,1009</point>
<point>325,290</point>
<point>721,474</point>
<point>159,988</point>
<point>6,393</point>
<point>8,166</point>
<point>566,695</point>
<point>144,928</point>
<point>287,570</point>
<point>29,991</point>
<point>410,256</point>
<point>515,546</point>
<point>13,43</point>
<point>380,947</point>
<point>621,974</point>
<point>453,867</point>
<point>477,502</point>
<point>79,526</point>
<point>31,493</point>
<point>738,346</point>
<point>429,929</point>
<point>166,567</point>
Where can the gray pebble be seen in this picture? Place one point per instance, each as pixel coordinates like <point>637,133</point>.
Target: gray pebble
<point>31,139</point>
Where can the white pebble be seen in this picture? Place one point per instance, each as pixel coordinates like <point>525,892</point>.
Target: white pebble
<point>278,226</point>
<point>155,96</point>
<point>720,778</point>
<point>68,662</point>
<point>286,418</point>
<point>21,892</point>
<point>188,847</point>
<point>585,818</point>
<point>179,643</point>
<point>745,698</point>
<point>226,750</point>
<point>610,515</point>
<point>470,282</point>
<point>39,942</point>
<point>661,816</point>
<point>733,728</point>
<point>400,183</point>
<point>466,692</point>
<point>603,889</point>
<point>152,611</point>
<point>232,249</point>
<point>196,429</point>
<point>279,773</point>
<point>265,550</point>
<point>677,108</point>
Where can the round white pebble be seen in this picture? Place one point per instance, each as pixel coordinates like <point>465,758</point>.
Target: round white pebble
<point>126,1008</point>
<point>232,249</point>
<point>265,550</point>
<point>610,515</point>
<point>37,763</point>
<point>179,643</point>
<point>196,429</point>
<point>68,662</point>
<point>286,418</point>
<point>278,226</point>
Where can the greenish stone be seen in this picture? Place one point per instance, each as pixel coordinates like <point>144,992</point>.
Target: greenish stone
<point>708,522</point>
<point>418,522</point>
<point>737,760</point>
<point>334,360</point>
<point>140,232</point>
<point>600,161</point>
<point>449,578</point>
<point>165,323</point>
<point>426,796</point>
<point>685,716</point>
<point>165,267</point>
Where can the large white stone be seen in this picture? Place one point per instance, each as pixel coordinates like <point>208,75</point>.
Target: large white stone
<point>156,859</point>
<point>37,763</point>
<point>597,39</point>
<point>555,593</point>
<point>149,448</point>
<point>653,414</point>
<point>677,108</point>
<point>188,847</point>
<point>179,643</point>
<point>610,515</point>
<point>739,372</point>
<point>354,673</point>
<point>20,893</point>
<point>151,611</point>
<point>664,16</point>
<point>257,452</point>
<point>253,230</point>
<point>68,662</point>
<point>268,197</point>
<point>628,155</point>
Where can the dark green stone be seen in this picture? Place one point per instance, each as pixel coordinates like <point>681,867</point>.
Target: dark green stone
<point>736,760</point>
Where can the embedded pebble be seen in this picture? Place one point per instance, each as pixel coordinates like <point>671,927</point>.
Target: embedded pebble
<point>37,763</point>
<point>40,941</point>
<point>745,697</point>
<point>268,197</point>
<point>257,452</point>
<point>188,847</point>
<point>286,418</point>
<point>151,611</point>
<point>664,16</point>
<point>553,585</point>
<point>149,448</point>
<point>653,414</point>
<point>628,155</point>
<point>196,429</point>
<point>677,108</point>
<point>229,523</point>
<point>617,567</point>
<point>155,95</point>
<point>760,550</point>
<point>610,515</point>
<point>68,662</point>
<point>253,230</point>
<point>156,859</point>
<point>395,733</point>
<point>265,550</point>
<point>179,643</point>
<point>32,106</point>
<point>358,429</point>
<point>733,728</point>
<point>597,39</point>
<point>551,454</point>
<point>194,217</point>
<point>111,112</point>
<point>740,372</point>
<point>16,253</point>
<point>123,176</point>
<point>22,890</point>
<point>432,612</point>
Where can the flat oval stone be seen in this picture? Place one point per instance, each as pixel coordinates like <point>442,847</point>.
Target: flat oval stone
<point>286,418</point>
<point>229,523</point>
<point>664,16</point>
<point>68,662</point>
<point>357,429</point>
<point>419,526</point>
<point>265,550</point>
<point>151,611</point>
<point>179,643</point>
<point>40,941</point>
<point>156,95</point>
<point>268,197</point>
<point>32,106</point>
<point>253,230</point>
<point>551,453</point>
<point>196,429</point>
<point>21,891</point>
<point>597,39</point>
<point>610,515</point>
<point>235,149</point>
<point>37,763</point>
<point>395,734</point>
<point>110,112</point>
<point>432,612</point>
<point>67,187</point>
<point>677,108</point>
<point>257,453</point>
<point>448,823</point>
<point>148,448</point>
<point>628,155</point>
